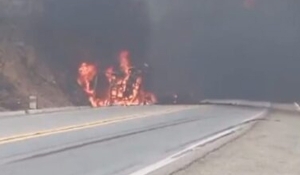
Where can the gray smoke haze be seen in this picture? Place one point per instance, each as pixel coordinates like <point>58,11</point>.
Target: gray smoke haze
<point>98,27</point>
<point>69,32</point>
<point>209,48</point>
<point>227,49</point>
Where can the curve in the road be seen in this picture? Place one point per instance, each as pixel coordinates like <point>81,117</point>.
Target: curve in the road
<point>121,148</point>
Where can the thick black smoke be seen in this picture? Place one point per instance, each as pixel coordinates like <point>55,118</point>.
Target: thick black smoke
<point>227,49</point>
<point>71,31</point>
<point>93,28</point>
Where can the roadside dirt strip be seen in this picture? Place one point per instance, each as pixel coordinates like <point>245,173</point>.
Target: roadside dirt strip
<point>271,147</point>
<point>190,154</point>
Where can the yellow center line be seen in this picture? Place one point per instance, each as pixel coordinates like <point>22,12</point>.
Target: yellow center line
<point>42,133</point>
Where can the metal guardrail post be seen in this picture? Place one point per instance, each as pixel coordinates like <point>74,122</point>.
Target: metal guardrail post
<point>33,102</point>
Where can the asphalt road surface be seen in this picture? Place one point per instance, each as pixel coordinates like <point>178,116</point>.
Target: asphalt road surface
<point>107,141</point>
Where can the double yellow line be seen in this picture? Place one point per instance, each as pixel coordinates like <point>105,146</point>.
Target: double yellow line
<point>21,137</point>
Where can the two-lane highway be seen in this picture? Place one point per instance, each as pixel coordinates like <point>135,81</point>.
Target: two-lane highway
<point>107,141</point>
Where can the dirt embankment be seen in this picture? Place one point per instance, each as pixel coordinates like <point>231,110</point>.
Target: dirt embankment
<point>23,75</point>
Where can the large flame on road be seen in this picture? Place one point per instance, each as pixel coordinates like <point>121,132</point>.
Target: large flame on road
<point>125,86</point>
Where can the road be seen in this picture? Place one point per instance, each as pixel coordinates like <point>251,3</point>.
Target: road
<point>107,141</point>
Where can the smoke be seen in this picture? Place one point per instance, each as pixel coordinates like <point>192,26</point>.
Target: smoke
<point>98,27</point>
<point>71,31</point>
<point>209,48</point>
<point>227,49</point>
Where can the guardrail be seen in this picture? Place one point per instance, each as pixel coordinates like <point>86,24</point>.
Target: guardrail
<point>293,108</point>
<point>245,103</point>
<point>238,103</point>
<point>39,111</point>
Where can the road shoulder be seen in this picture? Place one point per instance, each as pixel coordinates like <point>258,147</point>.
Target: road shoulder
<point>271,147</point>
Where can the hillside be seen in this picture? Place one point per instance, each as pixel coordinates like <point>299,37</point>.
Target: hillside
<point>22,73</point>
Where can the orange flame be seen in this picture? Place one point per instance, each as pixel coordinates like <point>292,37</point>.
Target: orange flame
<point>125,64</point>
<point>87,74</point>
<point>125,88</point>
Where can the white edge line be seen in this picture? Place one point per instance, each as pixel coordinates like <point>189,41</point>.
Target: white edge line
<point>297,105</point>
<point>256,116</point>
<point>182,153</point>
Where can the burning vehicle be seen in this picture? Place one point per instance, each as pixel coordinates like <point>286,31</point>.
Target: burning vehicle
<point>124,87</point>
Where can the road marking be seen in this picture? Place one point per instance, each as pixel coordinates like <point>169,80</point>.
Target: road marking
<point>255,117</point>
<point>43,133</point>
<point>191,148</point>
<point>181,154</point>
<point>297,105</point>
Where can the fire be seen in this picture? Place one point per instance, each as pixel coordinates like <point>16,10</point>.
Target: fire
<point>87,74</point>
<point>125,86</point>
